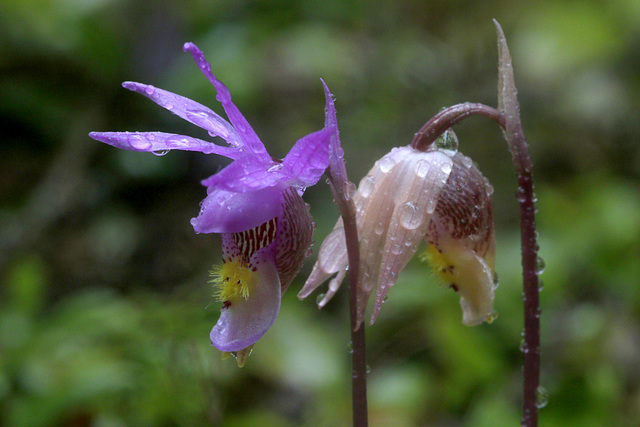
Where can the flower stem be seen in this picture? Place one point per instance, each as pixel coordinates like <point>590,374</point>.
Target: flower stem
<point>359,355</point>
<point>449,117</point>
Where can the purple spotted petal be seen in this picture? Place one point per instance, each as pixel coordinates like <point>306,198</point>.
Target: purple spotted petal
<point>189,110</point>
<point>251,141</point>
<point>160,141</point>
<point>248,173</point>
<point>307,160</point>
<point>246,321</point>
<point>225,211</point>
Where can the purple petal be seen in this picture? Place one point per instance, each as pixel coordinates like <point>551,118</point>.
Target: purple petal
<point>248,173</point>
<point>232,212</point>
<point>251,141</point>
<point>189,110</point>
<point>246,321</point>
<point>308,159</point>
<point>336,159</point>
<point>160,141</point>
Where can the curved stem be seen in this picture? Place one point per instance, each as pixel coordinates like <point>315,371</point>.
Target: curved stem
<point>359,354</point>
<point>449,117</point>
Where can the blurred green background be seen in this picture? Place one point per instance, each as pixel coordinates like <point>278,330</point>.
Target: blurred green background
<point>105,308</point>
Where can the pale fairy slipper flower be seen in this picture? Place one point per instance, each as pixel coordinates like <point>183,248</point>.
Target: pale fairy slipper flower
<point>437,196</point>
<point>255,204</point>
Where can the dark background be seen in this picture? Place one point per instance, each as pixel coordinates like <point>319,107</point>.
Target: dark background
<point>105,308</point>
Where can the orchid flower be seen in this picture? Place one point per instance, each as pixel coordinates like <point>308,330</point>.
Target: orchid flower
<point>438,196</point>
<point>254,203</point>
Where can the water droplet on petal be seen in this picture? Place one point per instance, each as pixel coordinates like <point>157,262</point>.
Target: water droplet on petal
<point>149,90</point>
<point>396,248</point>
<point>350,190</point>
<point>447,141</point>
<point>379,228</point>
<point>319,298</point>
<point>139,143</point>
<point>496,281</point>
<point>467,162</point>
<point>490,318</point>
<point>421,168</point>
<point>431,205</point>
<point>275,167</point>
<point>542,397</point>
<point>446,168</point>
<point>386,164</point>
<point>410,216</point>
<point>366,186</point>
<point>160,152</point>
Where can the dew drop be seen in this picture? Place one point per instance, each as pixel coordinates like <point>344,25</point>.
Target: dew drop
<point>366,186</point>
<point>350,347</point>
<point>139,143</point>
<point>540,285</point>
<point>386,164</point>
<point>467,162</point>
<point>496,280</point>
<point>160,152</point>
<point>488,187</point>
<point>542,397</point>
<point>275,167</point>
<point>524,348</point>
<point>367,369</point>
<point>385,299</point>
<point>410,216</point>
<point>421,168</point>
<point>431,205</point>
<point>350,190</point>
<point>379,228</point>
<point>169,106</point>
<point>149,90</point>
<point>446,168</point>
<point>540,266</point>
<point>520,195</point>
<point>447,141</point>
<point>396,248</point>
<point>319,298</point>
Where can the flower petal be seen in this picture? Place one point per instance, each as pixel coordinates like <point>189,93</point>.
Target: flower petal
<point>251,141</point>
<point>225,211</point>
<point>307,160</point>
<point>189,110</point>
<point>245,321</point>
<point>160,141</point>
<point>247,173</point>
<point>419,181</point>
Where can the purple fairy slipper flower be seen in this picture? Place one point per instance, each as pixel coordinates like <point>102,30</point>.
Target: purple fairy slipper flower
<point>255,204</point>
<point>438,196</point>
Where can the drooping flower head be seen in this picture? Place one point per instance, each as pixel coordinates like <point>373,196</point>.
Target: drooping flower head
<point>254,203</point>
<point>437,196</point>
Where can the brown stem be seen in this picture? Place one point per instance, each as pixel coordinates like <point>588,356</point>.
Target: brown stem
<point>449,117</point>
<point>359,354</point>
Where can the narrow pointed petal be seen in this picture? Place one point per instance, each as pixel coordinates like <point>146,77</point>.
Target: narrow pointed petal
<point>332,258</point>
<point>336,159</point>
<point>245,321</point>
<point>251,141</point>
<point>189,110</point>
<point>420,180</point>
<point>160,141</point>
<point>307,160</point>
<point>248,173</point>
<point>232,212</point>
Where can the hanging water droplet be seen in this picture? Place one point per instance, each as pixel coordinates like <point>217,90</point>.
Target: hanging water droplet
<point>540,265</point>
<point>540,285</point>
<point>385,299</point>
<point>524,348</point>
<point>160,152</point>
<point>386,164</point>
<point>447,141</point>
<point>319,298</point>
<point>366,186</point>
<point>350,347</point>
<point>488,188</point>
<point>421,168</point>
<point>410,216</point>
<point>496,281</point>
<point>367,370</point>
<point>542,397</point>
<point>491,317</point>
